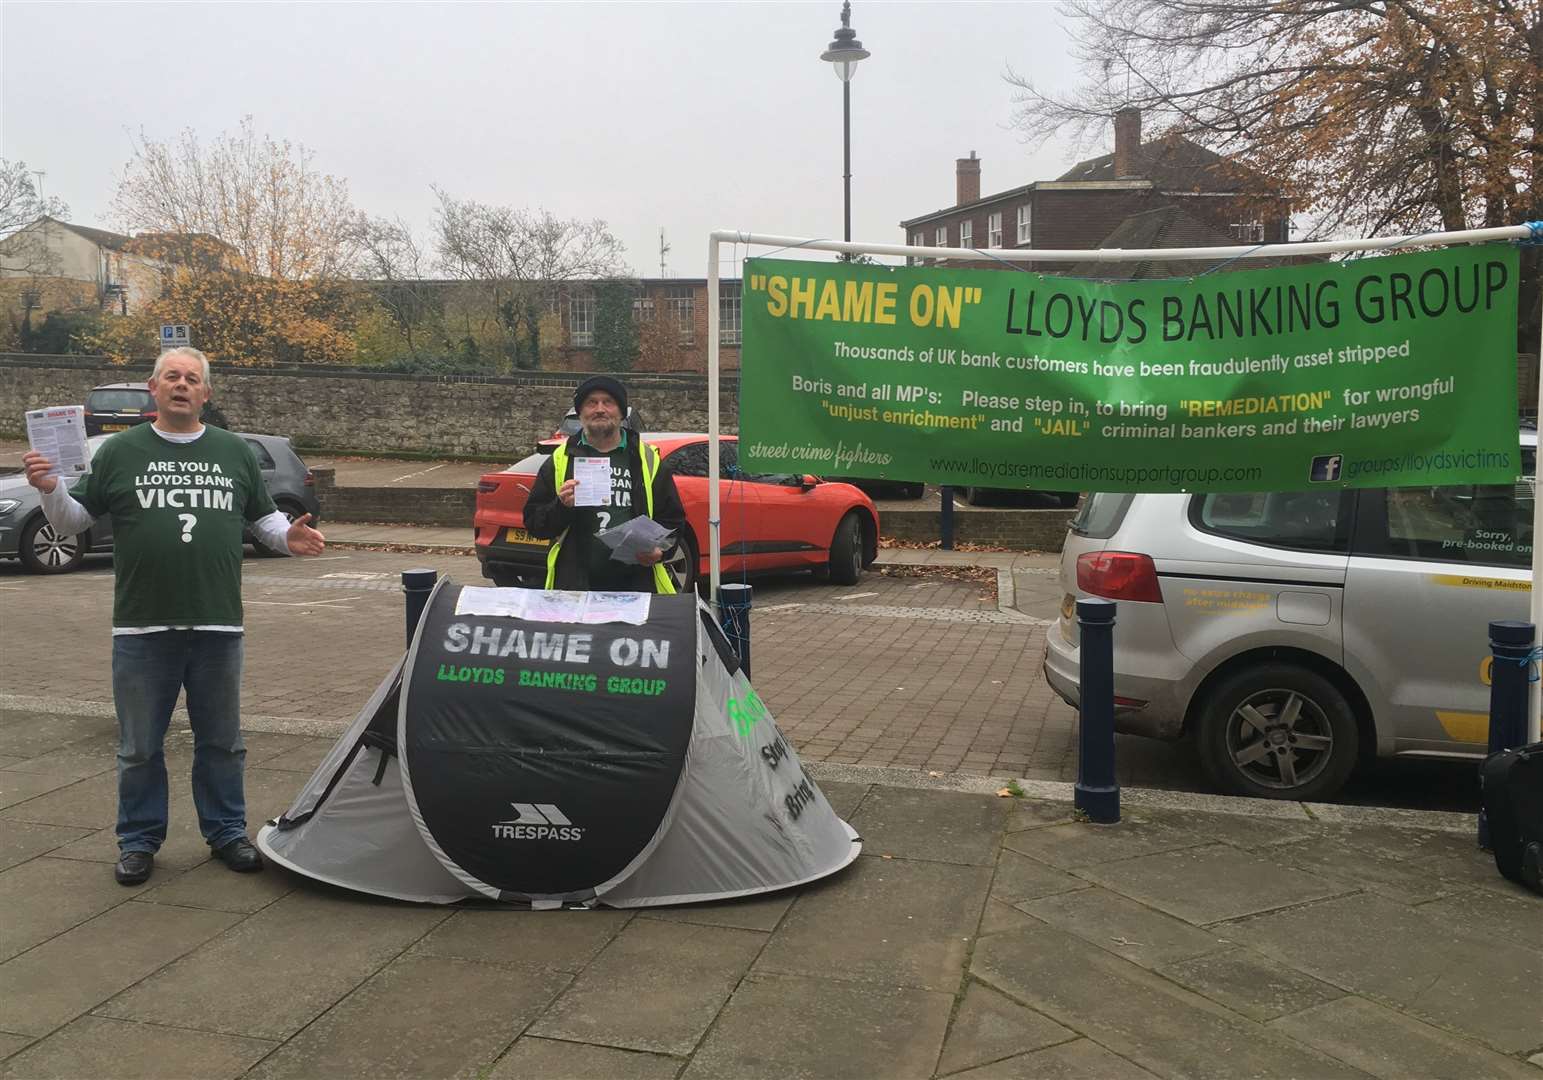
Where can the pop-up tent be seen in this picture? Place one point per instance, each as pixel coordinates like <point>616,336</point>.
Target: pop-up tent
<point>549,748</point>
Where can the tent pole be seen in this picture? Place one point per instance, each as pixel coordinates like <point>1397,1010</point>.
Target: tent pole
<point>714,509</point>
<point>1535,689</point>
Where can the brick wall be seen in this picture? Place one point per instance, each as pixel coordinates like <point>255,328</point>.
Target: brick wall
<point>379,413</point>
<point>398,506</point>
<point>1020,530</point>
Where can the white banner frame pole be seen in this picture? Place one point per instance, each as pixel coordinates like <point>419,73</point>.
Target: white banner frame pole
<point>1213,254</point>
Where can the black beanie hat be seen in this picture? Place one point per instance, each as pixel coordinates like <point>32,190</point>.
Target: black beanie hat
<point>603,383</point>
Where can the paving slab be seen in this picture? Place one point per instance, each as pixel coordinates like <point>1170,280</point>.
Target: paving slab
<point>473,1012</point>
<point>211,884</point>
<point>45,897</point>
<point>26,734</point>
<point>890,921</point>
<point>1136,1014</point>
<point>89,803</point>
<point>779,1026</point>
<point>102,957</point>
<point>844,797</point>
<point>944,826</point>
<point>1078,1060</point>
<point>1124,927</point>
<point>1336,860</point>
<point>1037,813</point>
<point>1085,844</point>
<point>97,1046</point>
<point>279,969</point>
<point>1362,942</point>
<point>11,1044</point>
<point>20,788</point>
<point>1247,983</point>
<point>1386,1043</point>
<point>23,840</point>
<point>1210,884</point>
<point>1250,832</point>
<point>305,758</point>
<point>749,913</point>
<point>1019,877</point>
<point>656,987</point>
<point>551,1059</point>
<point>549,940</point>
<point>76,761</point>
<point>1000,916</point>
<point>1517,918</point>
<point>989,1027</point>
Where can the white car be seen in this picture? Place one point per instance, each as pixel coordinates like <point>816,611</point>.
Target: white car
<point>1291,634</point>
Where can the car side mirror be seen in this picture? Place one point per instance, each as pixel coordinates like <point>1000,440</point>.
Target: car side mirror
<point>808,481</point>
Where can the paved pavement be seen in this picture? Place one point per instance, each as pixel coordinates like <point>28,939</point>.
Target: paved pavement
<point>977,936</point>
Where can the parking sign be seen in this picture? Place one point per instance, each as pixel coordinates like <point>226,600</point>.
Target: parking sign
<point>174,335</point>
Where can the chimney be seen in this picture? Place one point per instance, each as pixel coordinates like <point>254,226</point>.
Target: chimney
<point>1127,140</point>
<point>967,179</point>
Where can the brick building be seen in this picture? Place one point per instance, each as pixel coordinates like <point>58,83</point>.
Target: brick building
<point>671,313</point>
<point>1095,198</point>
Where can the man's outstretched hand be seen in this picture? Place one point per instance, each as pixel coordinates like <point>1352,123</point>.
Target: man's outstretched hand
<point>304,540</point>
<point>38,467</point>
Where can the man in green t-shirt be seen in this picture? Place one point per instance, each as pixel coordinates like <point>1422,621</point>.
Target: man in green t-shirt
<point>179,494</point>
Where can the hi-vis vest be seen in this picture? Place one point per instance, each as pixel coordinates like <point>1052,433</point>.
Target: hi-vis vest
<point>650,456</point>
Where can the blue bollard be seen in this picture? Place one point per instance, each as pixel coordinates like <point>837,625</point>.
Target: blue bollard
<point>417,584</point>
<point>946,521</point>
<point>1510,643</point>
<point>1097,793</point>
<point>734,617</point>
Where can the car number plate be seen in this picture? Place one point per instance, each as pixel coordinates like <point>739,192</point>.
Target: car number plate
<point>520,536</point>
<point>115,427</point>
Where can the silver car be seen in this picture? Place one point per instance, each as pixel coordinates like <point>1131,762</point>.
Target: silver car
<point>26,535</point>
<point>1292,634</point>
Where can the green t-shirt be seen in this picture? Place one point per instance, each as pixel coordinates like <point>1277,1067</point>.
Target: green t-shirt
<point>177,513</point>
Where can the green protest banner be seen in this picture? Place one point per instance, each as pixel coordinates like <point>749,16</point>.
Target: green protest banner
<point>1376,372</point>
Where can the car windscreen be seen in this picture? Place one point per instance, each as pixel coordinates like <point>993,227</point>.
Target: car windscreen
<point>120,401</point>
<point>1101,514</point>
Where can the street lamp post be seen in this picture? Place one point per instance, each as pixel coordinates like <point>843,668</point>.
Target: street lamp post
<point>843,54</point>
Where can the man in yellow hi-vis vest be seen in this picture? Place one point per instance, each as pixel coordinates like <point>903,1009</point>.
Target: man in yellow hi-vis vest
<point>639,484</point>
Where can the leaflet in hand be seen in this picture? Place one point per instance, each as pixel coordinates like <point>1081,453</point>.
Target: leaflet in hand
<point>631,538</point>
<point>59,434</point>
<point>594,477</point>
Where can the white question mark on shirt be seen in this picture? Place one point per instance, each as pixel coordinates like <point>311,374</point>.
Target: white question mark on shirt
<point>188,521</point>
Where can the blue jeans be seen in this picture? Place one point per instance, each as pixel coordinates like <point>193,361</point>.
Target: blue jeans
<point>149,670</point>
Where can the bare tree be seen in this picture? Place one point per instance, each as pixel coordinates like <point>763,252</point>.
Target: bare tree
<point>263,197</point>
<point>1371,114</point>
<point>21,204</point>
<point>393,266</point>
<point>514,258</point>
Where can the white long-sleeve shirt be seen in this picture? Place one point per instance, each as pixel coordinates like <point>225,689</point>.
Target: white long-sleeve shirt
<point>65,513</point>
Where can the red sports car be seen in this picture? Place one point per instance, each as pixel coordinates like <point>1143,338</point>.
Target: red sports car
<point>769,521</point>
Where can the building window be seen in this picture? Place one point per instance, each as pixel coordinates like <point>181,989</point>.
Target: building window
<point>966,234</point>
<point>643,309</point>
<point>681,301</point>
<point>1025,221</point>
<point>728,314</point>
<point>917,240</point>
<point>1249,232</point>
<point>942,236</point>
<point>581,321</point>
<point>994,230</point>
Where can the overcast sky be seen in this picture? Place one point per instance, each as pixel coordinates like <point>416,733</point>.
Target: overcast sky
<point>681,116</point>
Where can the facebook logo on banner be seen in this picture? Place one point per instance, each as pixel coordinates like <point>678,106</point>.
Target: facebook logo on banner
<point>1326,468</point>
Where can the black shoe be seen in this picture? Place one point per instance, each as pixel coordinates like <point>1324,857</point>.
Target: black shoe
<point>240,855</point>
<point>133,867</point>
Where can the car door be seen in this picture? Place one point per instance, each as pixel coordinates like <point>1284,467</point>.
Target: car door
<point>791,526</point>
<point>1430,568</point>
<point>689,465</point>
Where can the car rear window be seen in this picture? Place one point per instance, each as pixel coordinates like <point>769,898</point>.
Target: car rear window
<point>1488,524</point>
<point>120,401</point>
<point>1309,520</point>
<point>264,459</point>
<point>1101,514</point>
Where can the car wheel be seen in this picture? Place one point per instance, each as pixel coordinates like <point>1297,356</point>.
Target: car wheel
<point>44,551</point>
<point>1068,499</point>
<point>291,511</point>
<point>1278,731</point>
<point>846,552</point>
<point>683,562</point>
<point>912,491</point>
<point>975,496</point>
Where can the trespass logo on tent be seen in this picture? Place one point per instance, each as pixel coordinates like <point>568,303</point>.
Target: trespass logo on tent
<point>1375,372</point>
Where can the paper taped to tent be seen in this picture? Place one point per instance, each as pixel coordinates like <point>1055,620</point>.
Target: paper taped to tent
<point>550,749</point>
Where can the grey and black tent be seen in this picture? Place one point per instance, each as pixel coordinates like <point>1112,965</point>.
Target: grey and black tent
<point>548,749</point>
